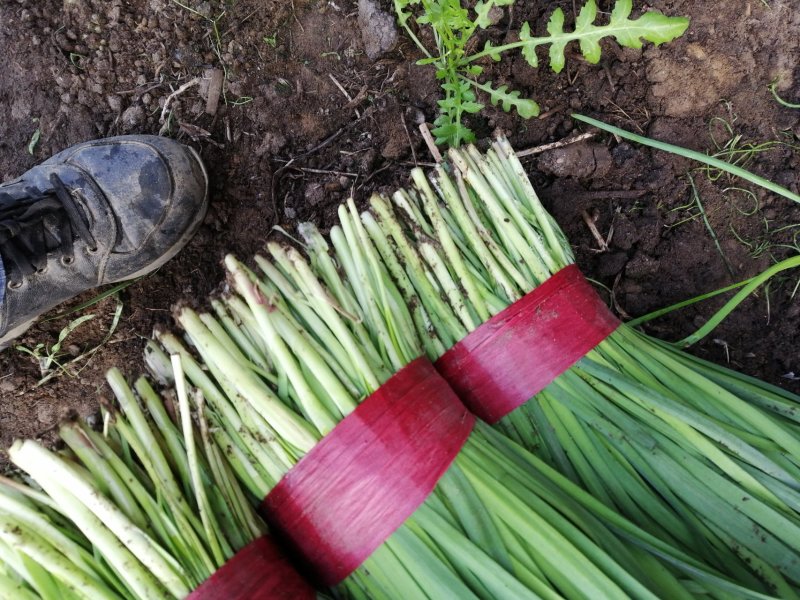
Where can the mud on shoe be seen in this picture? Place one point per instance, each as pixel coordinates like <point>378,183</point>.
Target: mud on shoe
<point>99,212</point>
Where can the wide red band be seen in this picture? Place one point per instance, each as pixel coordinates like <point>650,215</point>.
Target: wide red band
<point>517,353</point>
<point>259,571</point>
<point>368,475</point>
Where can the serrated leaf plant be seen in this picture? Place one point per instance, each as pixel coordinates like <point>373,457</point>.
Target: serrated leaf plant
<point>453,26</point>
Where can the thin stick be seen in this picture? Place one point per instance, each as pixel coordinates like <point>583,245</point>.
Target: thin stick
<point>587,218</point>
<point>344,91</point>
<point>326,172</point>
<point>554,145</point>
<point>174,94</point>
<point>426,135</point>
<point>408,137</point>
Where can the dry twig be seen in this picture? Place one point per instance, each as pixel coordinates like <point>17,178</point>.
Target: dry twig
<point>163,118</point>
<point>554,145</point>
<point>426,135</point>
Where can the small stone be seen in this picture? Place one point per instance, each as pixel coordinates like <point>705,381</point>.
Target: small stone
<point>415,115</point>
<point>314,194</point>
<point>114,103</point>
<point>625,234</point>
<point>495,15</point>
<point>611,263</point>
<point>367,160</point>
<point>45,413</point>
<point>271,144</point>
<point>114,43</point>
<point>696,51</point>
<point>641,266</point>
<point>84,98</point>
<point>576,160</point>
<point>622,153</point>
<point>378,29</point>
<point>133,115</point>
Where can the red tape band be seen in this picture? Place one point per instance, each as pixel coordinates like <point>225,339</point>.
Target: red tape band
<point>518,352</point>
<point>259,571</point>
<point>342,500</point>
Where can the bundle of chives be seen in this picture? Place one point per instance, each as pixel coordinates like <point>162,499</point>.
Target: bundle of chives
<point>701,457</point>
<point>147,509</point>
<point>43,554</point>
<point>287,358</point>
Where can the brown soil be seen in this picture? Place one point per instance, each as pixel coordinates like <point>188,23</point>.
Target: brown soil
<point>82,69</point>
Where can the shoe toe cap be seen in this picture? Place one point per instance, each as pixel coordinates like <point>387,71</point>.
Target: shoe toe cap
<point>155,186</point>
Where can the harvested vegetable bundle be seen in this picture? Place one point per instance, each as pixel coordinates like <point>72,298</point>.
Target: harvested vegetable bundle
<point>419,501</point>
<point>149,509</point>
<point>701,457</point>
<point>44,555</point>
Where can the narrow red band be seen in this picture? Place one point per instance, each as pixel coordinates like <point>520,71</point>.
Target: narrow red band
<point>368,475</point>
<point>259,571</point>
<point>517,353</point>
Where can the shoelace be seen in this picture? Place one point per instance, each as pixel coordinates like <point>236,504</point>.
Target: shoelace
<point>34,225</point>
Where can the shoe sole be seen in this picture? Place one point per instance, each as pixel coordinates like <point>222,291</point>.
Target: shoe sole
<point>161,260</point>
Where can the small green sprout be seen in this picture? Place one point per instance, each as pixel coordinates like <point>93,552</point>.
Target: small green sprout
<point>773,87</point>
<point>34,138</point>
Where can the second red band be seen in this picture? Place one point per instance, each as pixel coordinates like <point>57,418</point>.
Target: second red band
<point>368,475</point>
<point>517,353</point>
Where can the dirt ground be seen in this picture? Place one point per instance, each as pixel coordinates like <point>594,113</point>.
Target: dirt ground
<point>298,85</point>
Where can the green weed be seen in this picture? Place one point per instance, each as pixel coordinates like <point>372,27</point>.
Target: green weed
<point>702,212</point>
<point>51,359</point>
<point>75,60</point>
<point>738,151</point>
<point>48,356</point>
<point>735,150</point>
<point>773,88</point>
<point>454,25</point>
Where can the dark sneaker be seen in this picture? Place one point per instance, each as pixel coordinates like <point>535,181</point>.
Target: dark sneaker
<point>96,213</point>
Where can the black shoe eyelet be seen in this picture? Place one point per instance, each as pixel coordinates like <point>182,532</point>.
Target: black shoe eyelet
<point>14,285</point>
<point>40,271</point>
<point>91,250</point>
<point>67,260</point>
